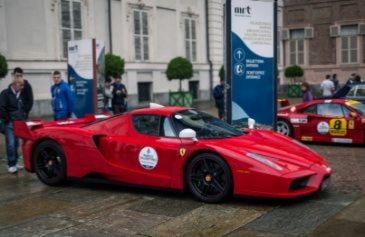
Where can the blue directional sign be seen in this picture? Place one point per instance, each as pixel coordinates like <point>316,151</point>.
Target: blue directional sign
<point>251,61</point>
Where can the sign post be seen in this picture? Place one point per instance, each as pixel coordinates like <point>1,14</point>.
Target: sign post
<point>251,62</point>
<point>86,75</point>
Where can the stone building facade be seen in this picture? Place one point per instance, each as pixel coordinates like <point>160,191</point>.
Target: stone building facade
<point>146,33</point>
<point>325,37</point>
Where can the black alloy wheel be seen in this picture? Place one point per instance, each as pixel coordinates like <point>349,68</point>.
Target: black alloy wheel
<point>209,178</point>
<point>49,163</point>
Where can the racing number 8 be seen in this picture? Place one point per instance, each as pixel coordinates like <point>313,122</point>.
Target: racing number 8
<point>337,125</point>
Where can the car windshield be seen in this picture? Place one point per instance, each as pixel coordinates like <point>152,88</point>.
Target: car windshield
<point>357,105</point>
<point>205,125</point>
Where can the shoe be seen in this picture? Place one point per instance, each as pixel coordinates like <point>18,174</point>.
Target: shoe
<point>12,169</point>
<point>19,166</point>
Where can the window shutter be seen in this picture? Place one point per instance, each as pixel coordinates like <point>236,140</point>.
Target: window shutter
<point>361,29</point>
<point>334,31</point>
<point>308,32</point>
<point>285,34</point>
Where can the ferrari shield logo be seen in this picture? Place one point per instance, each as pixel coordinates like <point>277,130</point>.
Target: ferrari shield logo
<point>182,151</point>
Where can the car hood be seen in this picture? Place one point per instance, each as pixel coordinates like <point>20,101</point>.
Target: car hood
<point>280,149</point>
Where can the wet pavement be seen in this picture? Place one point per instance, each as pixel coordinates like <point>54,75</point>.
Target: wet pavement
<point>90,208</point>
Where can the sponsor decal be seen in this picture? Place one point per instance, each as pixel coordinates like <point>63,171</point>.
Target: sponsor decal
<point>306,138</point>
<point>182,151</point>
<point>148,158</point>
<point>338,127</point>
<point>351,124</point>
<point>341,140</point>
<point>323,127</point>
<point>299,120</point>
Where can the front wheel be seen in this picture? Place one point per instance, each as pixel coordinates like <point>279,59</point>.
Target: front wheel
<point>284,128</point>
<point>49,163</point>
<point>209,178</point>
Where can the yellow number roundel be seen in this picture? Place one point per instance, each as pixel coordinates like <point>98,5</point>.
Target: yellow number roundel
<point>338,127</point>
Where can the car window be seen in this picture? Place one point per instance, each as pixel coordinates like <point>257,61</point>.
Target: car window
<point>167,129</point>
<point>310,109</point>
<point>352,91</point>
<point>346,111</point>
<point>147,124</point>
<point>330,109</point>
<point>357,91</point>
<point>360,91</point>
<point>205,125</point>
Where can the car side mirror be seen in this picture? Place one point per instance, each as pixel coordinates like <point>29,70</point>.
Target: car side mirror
<point>188,133</point>
<point>353,114</point>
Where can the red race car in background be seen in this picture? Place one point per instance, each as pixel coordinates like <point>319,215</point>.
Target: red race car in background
<point>173,148</point>
<point>332,120</point>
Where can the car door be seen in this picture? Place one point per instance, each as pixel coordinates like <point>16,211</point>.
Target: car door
<point>329,122</point>
<point>152,150</point>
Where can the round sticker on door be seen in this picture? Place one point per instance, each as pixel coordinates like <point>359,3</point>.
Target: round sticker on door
<point>148,158</point>
<point>323,127</point>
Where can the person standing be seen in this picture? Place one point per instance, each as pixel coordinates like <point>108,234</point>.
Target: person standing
<point>62,98</point>
<point>12,109</point>
<point>327,87</point>
<point>307,93</point>
<point>27,92</point>
<point>119,93</point>
<point>107,95</point>
<point>218,94</point>
<point>335,81</point>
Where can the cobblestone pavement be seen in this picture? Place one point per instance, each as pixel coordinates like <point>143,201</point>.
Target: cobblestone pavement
<point>29,208</point>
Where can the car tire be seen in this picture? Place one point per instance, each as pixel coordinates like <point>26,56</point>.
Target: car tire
<point>49,163</point>
<point>284,127</point>
<point>209,178</point>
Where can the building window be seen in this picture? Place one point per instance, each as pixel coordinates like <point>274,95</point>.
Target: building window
<point>349,46</point>
<point>71,25</point>
<point>194,89</point>
<point>144,91</point>
<point>141,36</point>
<point>296,47</point>
<point>190,39</point>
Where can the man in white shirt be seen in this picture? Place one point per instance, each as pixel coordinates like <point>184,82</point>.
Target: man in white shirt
<point>327,87</point>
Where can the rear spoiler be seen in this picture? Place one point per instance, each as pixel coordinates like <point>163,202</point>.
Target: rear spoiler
<point>23,130</point>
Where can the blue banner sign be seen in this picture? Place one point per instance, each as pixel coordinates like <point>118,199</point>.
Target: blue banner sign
<point>252,71</point>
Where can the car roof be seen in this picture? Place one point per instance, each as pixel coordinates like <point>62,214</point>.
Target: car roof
<point>166,111</point>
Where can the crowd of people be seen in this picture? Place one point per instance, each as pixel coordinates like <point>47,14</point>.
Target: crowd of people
<point>329,86</point>
<point>16,102</point>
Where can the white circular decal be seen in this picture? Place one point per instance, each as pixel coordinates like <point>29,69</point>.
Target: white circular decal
<point>323,127</point>
<point>148,158</point>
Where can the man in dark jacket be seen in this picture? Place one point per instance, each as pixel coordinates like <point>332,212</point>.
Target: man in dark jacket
<point>218,94</point>
<point>62,98</point>
<point>119,93</point>
<point>12,109</point>
<point>27,92</point>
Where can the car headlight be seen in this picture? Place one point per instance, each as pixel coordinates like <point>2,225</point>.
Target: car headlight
<point>265,160</point>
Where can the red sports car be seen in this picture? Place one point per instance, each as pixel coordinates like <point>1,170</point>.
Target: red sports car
<point>173,148</point>
<point>332,120</point>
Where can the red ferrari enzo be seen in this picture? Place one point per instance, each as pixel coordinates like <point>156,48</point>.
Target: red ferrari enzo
<point>332,120</point>
<point>173,148</point>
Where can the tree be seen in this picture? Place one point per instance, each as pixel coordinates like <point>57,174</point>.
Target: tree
<point>294,72</point>
<point>3,66</point>
<point>179,69</point>
<point>114,65</point>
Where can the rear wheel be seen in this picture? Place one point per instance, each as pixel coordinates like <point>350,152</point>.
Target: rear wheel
<point>284,127</point>
<point>49,163</point>
<point>209,178</point>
